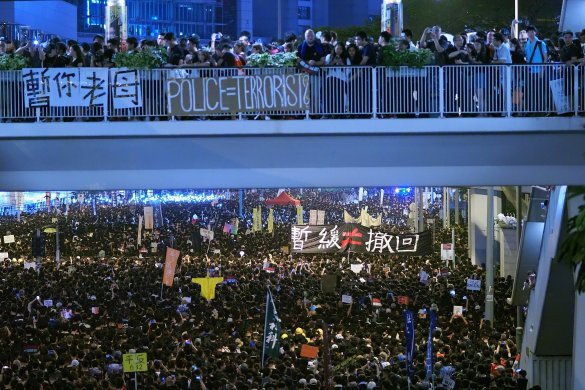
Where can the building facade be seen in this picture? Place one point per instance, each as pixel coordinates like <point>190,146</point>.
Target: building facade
<point>37,20</point>
<point>148,18</point>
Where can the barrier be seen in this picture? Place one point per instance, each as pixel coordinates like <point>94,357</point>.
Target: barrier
<point>332,92</point>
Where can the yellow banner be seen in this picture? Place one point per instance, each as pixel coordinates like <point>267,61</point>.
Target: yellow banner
<point>364,219</point>
<point>270,221</point>
<point>134,362</point>
<point>299,215</point>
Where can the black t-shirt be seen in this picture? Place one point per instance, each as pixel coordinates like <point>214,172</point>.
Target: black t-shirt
<point>228,60</point>
<point>369,51</point>
<point>570,51</point>
<point>308,53</point>
<point>56,62</point>
<point>461,56</point>
<point>327,48</point>
<point>521,384</point>
<point>175,55</point>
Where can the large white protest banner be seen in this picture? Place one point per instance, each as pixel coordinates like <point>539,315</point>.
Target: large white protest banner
<point>126,89</point>
<point>65,87</point>
<point>148,218</point>
<point>312,217</point>
<point>232,94</point>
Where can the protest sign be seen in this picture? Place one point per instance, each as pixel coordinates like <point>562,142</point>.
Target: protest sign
<point>320,217</point>
<point>447,252</point>
<point>233,94</point>
<point>134,362</point>
<point>207,234</point>
<point>312,217</point>
<point>31,264</point>
<point>473,284</point>
<point>48,303</point>
<point>170,266</point>
<point>346,299</point>
<point>458,311</point>
<point>148,218</point>
<point>343,237</point>
<point>9,239</point>
<point>357,268</point>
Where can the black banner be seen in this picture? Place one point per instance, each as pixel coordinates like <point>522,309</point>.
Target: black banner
<point>357,238</point>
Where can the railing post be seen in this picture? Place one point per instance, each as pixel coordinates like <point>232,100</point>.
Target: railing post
<point>508,84</point>
<point>441,92</point>
<point>374,92</point>
<point>38,113</point>
<point>108,96</point>
<point>576,88</point>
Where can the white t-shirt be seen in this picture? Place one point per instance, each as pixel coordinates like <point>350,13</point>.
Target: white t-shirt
<point>503,53</point>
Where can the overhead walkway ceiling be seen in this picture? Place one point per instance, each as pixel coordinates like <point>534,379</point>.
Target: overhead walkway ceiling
<point>291,153</point>
<point>572,15</point>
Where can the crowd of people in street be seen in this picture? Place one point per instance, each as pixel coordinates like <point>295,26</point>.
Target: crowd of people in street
<point>67,324</point>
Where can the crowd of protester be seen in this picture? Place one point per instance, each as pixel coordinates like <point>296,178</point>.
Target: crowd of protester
<point>496,47</point>
<point>343,93</point>
<point>217,344</point>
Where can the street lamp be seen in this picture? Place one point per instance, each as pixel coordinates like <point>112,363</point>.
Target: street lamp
<point>516,18</point>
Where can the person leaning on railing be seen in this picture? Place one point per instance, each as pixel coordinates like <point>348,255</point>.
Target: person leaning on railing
<point>571,54</point>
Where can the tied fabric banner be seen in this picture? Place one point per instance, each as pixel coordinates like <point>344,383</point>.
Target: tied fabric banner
<point>170,266</point>
<point>429,358</point>
<point>357,238</point>
<point>300,215</point>
<point>409,323</point>
<point>271,344</point>
<point>233,94</point>
<point>148,218</point>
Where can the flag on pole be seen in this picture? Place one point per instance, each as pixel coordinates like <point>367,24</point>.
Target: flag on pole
<point>429,358</point>
<point>270,221</point>
<point>271,343</point>
<point>235,227</point>
<point>299,215</point>
<point>170,266</point>
<point>409,322</point>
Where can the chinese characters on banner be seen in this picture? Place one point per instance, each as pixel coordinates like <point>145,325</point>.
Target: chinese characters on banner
<point>126,89</point>
<point>170,266</point>
<point>81,87</point>
<point>350,236</point>
<point>271,343</point>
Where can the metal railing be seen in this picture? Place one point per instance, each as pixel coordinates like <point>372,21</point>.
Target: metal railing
<point>349,92</point>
